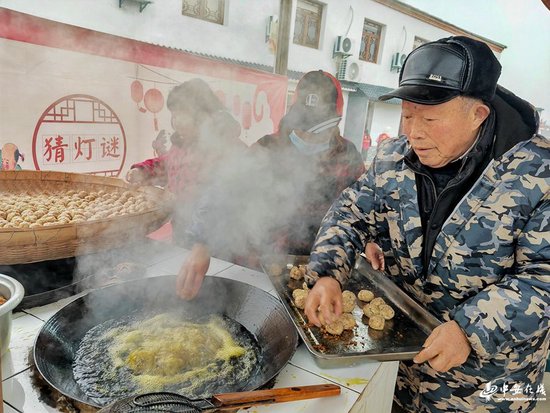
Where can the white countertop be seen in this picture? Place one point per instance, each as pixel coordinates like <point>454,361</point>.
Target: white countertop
<point>366,387</point>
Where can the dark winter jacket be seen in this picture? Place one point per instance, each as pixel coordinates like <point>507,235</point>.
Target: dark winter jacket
<point>488,269</point>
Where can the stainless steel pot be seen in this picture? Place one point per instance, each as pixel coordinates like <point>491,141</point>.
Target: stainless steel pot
<point>11,289</point>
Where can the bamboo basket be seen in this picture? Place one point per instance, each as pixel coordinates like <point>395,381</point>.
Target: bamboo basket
<point>26,245</point>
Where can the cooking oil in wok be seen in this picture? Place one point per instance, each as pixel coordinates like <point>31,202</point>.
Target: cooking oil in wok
<point>164,352</point>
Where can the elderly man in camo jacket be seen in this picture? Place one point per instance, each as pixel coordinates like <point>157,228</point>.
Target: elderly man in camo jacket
<point>460,206</point>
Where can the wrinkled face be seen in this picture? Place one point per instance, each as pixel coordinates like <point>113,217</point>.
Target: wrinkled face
<point>439,134</point>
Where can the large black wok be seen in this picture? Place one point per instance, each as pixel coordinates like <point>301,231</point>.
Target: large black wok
<point>257,311</point>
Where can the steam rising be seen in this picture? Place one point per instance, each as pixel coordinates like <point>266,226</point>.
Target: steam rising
<point>250,196</point>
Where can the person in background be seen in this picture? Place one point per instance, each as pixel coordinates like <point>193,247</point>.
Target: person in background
<point>383,136</point>
<point>460,206</point>
<point>365,146</point>
<point>203,131</point>
<point>304,167</point>
<point>312,157</point>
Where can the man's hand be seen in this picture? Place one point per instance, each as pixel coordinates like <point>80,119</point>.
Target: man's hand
<point>445,348</point>
<point>193,271</point>
<point>159,144</point>
<point>375,256</point>
<point>136,176</point>
<point>326,297</point>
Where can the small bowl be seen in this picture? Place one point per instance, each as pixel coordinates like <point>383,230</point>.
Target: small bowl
<point>13,291</point>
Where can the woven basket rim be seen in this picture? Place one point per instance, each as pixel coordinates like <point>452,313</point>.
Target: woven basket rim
<point>23,245</point>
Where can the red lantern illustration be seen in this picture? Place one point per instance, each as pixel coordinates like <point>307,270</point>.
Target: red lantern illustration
<point>136,90</point>
<point>154,102</point>
<point>247,117</point>
<point>259,116</point>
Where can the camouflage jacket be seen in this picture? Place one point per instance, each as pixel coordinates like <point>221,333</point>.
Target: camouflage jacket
<point>489,271</point>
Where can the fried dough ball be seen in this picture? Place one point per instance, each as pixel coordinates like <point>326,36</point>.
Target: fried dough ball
<point>335,328</point>
<point>348,321</point>
<point>300,301</point>
<point>377,301</point>
<point>376,322</point>
<point>348,301</point>
<point>297,273</point>
<point>386,311</point>
<point>297,292</point>
<point>371,310</point>
<point>365,295</point>
<point>300,297</point>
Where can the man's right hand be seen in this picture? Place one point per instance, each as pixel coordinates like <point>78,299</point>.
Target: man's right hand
<point>193,271</point>
<point>326,298</point>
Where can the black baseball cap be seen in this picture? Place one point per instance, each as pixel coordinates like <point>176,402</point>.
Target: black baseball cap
<point>318,98</point>
<point>436,72</point>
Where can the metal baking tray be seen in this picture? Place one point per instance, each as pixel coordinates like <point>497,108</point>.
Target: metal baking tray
<point>401,338</point>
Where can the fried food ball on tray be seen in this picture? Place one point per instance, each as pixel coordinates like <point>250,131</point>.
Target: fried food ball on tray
<point>376,322</point>
<point>296,273</point>
<point>365,295</point>
<point>297,292</point>
<point>371,310</point>
<point>300,297</point>
<point>386,311</point>
<point>335,328</point>
<point>300,301</point>
<point>348,321</point>
<point>348,301</point>
<point>377,301</point>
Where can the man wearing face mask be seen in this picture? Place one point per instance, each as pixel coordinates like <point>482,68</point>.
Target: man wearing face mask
<point>309,153</point>
<point>304,167</point>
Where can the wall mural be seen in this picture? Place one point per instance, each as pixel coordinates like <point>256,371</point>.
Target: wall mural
<point>90,102</point>
<point>10,157</point>
<point>79,129</point>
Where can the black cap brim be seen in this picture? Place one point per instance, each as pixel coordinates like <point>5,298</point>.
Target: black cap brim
<point>301,117</point>
<point>425,95</point>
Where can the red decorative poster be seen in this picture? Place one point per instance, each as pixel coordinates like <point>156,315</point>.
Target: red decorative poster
<point>64,115</point>
<point>79,133</point>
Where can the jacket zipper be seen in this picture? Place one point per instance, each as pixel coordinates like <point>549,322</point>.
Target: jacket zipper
<point>426,256</point>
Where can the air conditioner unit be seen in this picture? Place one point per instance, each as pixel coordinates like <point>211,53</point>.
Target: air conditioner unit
<point>350,70</point>
<point>397,61</point>
<point>343,46</point>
